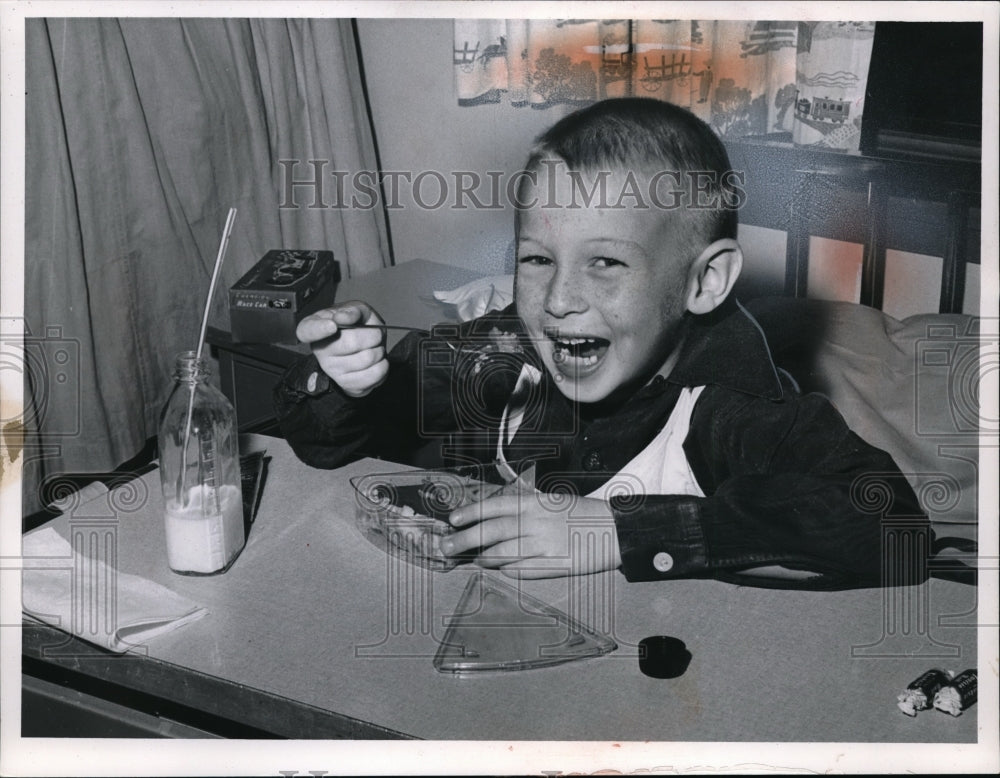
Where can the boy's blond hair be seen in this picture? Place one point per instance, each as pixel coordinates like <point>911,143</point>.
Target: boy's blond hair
<point>647,135</point>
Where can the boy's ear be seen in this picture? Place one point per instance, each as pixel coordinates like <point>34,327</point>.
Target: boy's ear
<point>712,275</point>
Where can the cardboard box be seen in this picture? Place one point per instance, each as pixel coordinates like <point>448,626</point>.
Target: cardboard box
<point>284,286</point>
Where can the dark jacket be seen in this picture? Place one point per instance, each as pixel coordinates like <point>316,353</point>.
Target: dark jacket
<point>787,484</point>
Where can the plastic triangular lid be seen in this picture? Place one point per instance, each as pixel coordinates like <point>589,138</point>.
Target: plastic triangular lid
<point>497,627</point>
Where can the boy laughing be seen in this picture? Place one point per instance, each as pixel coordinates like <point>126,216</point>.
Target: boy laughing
<point>646,395</point>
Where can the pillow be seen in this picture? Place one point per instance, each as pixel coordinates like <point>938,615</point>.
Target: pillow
<point>909,387</point>
<point>479,297</point>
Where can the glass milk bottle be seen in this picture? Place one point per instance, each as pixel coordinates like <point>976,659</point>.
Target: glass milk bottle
<point>200,473</point>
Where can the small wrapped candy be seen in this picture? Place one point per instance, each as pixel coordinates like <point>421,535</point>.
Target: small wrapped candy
<point>919,693</point>
<point>958,695</point>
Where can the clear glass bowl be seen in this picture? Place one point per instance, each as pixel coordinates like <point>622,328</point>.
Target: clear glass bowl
<point>406,513</point>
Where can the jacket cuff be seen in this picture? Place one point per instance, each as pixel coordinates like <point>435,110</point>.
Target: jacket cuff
<point>661,537</point>
<point>304,379</point>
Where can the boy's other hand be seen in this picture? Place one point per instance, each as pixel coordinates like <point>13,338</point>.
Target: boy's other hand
<point>537,535</point>
<point>353,358</point>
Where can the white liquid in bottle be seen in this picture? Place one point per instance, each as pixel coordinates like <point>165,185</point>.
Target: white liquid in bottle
<point>204,538</point>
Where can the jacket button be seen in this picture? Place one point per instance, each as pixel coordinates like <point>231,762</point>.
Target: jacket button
<point>311,382</point>
<point>663,562</point>
<point>592,460</point>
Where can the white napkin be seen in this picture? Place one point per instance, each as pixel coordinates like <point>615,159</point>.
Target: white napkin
<point>91,599</point>
<point>476,298</point>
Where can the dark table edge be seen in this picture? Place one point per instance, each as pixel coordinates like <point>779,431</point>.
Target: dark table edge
<point>245,705</point>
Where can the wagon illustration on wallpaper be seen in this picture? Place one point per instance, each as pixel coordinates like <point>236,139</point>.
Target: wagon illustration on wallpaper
<point>465,57</point>
<point>823,109</point>
<point>655,74</point>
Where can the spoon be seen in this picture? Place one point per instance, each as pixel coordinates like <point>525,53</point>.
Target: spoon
<point>384,327</point>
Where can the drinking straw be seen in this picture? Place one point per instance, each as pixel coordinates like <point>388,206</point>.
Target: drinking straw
<point>223,245</point>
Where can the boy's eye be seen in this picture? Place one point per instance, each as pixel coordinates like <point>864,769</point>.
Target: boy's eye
<point>534,259</point>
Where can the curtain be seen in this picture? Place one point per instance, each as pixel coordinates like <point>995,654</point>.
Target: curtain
<point>743,78</point>
<point>140,135</point>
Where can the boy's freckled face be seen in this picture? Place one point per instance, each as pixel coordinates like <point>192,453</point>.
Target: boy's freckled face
<point>601,290</point>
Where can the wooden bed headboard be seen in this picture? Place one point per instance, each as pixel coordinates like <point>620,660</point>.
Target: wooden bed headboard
<point>926,206</point>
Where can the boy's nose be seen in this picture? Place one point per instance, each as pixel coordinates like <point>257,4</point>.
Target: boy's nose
<point>563,295</point>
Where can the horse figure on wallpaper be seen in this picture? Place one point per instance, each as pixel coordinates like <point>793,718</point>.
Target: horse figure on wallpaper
<point>493,51</point>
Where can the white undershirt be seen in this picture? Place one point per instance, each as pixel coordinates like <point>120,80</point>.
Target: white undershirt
<point>660,468</point>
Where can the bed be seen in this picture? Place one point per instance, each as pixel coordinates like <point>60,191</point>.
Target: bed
<point>910,387</point>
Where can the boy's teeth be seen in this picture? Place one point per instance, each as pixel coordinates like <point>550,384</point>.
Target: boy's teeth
<point>562,351</point>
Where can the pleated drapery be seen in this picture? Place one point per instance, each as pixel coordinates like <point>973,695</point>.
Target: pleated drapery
<point>140,135</point>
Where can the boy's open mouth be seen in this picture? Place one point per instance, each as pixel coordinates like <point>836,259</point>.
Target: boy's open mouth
<point>577,354</point>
